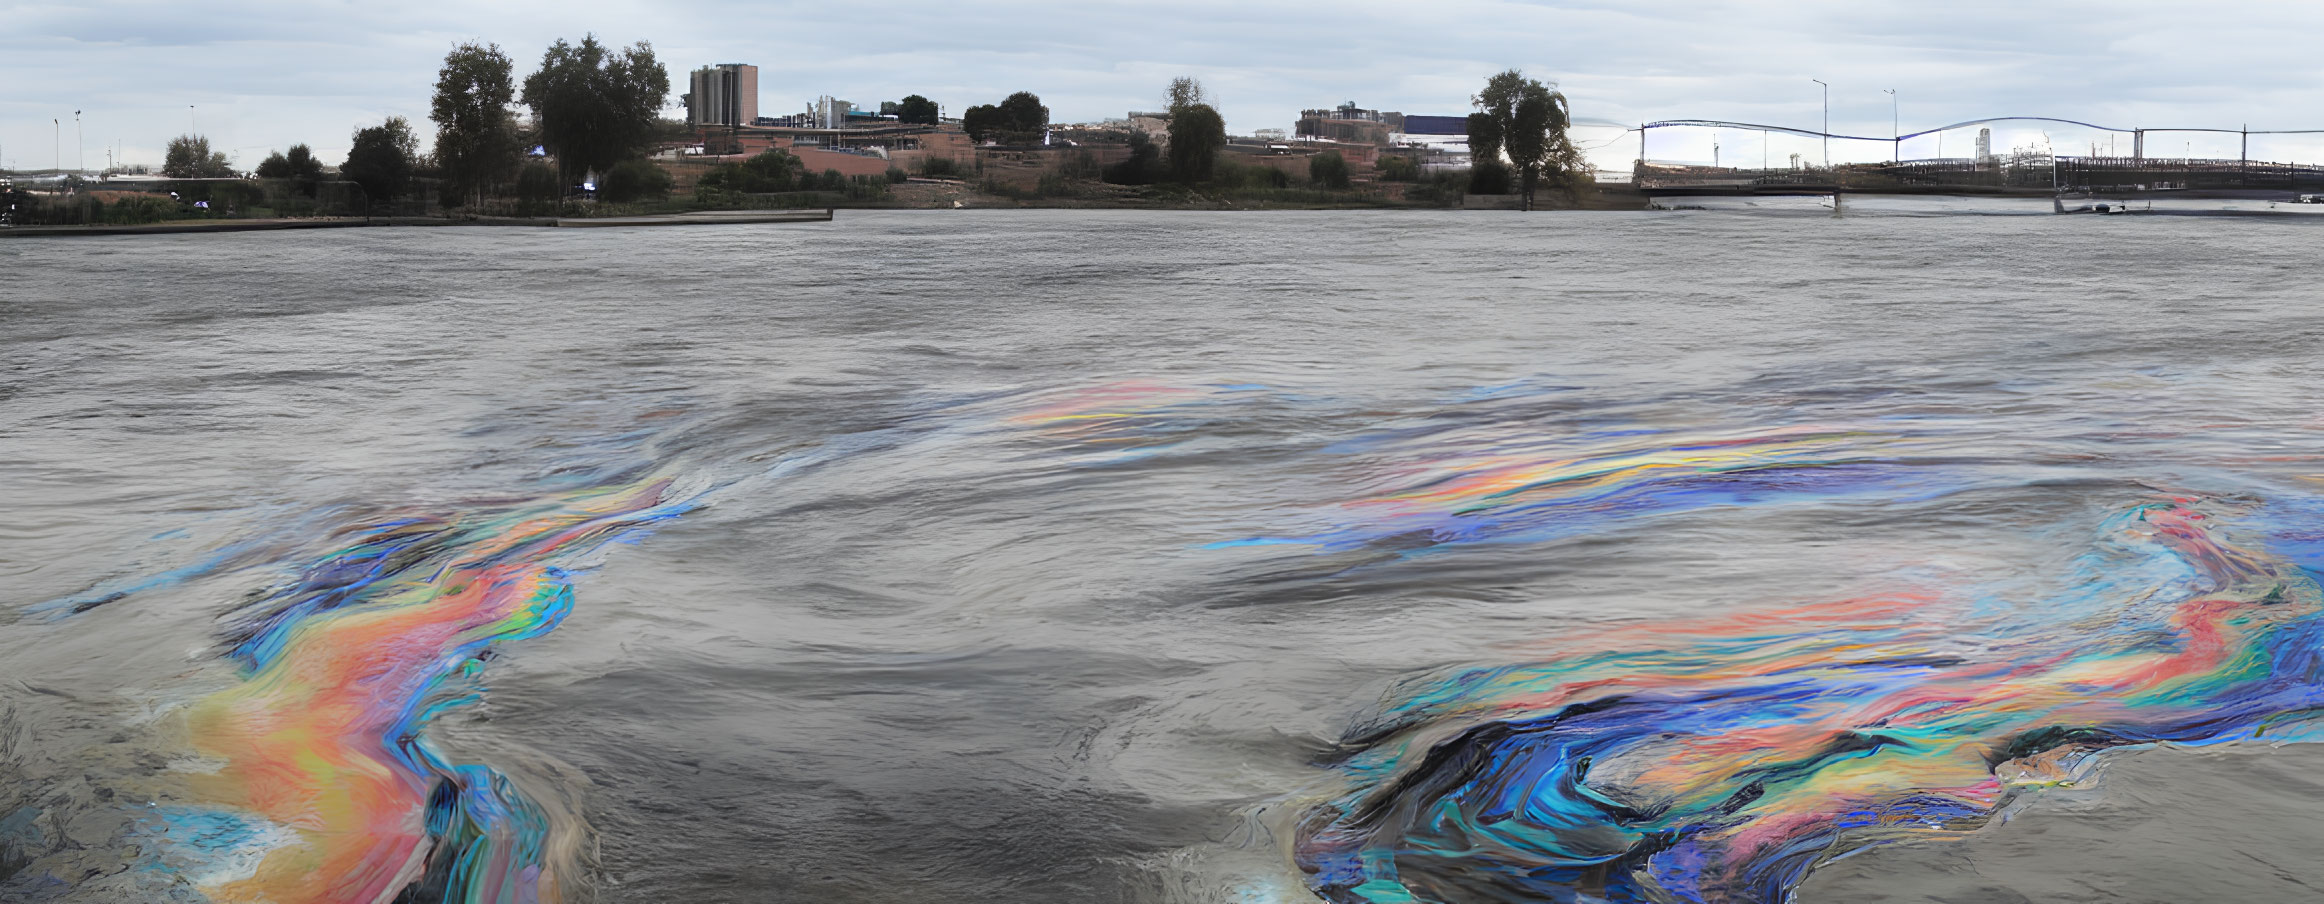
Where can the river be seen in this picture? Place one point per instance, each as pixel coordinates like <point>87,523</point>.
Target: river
<point>1088,556</point>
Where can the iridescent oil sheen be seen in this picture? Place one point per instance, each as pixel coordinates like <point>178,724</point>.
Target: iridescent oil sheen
<point>1719,760</point>
<point>323,739</point>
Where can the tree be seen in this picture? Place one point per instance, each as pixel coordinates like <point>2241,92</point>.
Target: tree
<point>1484,138</point>
<point>299,167</point>
<point>303,164</point>
<point>1020,119</point>
<point>1328,169</point>
<point>1197,134</point>
<point>537,188</point>
<point>916,109</point>
<point>1184,92</point>
<point>1526,121</point>
<point>190,157</point>
<point>476,141</point>
<point>1024,117</point>
<point>982,123</point>
<point>382,157</point>
<point>596,108</point>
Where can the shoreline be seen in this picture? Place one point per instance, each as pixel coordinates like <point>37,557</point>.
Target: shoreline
<point>1617,202</point>
<point>692,218</point>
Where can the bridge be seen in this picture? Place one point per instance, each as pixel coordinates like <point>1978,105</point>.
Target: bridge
<point>2017,173</point>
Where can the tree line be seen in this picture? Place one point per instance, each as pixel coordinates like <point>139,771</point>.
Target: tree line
<point>595,109</point>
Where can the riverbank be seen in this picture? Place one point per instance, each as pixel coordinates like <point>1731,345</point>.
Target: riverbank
<point>699,218</point>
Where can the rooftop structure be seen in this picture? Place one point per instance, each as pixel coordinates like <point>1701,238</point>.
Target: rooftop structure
<point>831,112</point>
<point>1349,123</point>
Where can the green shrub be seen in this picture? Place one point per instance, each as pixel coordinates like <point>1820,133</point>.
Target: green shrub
<point>1002,189</point>
<point>1056,185</point>
<point>1081,164</point>
<point>1397,168</point>
<point>1231,175</point>
<point>897,176</point>
<point>867,188</point>
<point>537,189</point>
<point>1144,166</point>
<point>1439,188</point>
<point>942,168</point>
<point>772,171</point>
<point>1328,169</point>
<point>141,209</point>
<point>633,180</point>
<point>1491,177</point>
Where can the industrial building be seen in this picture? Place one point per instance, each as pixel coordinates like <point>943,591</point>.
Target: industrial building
<point>831,112</point>
<point>723,95</point>
<point>1349,123</point>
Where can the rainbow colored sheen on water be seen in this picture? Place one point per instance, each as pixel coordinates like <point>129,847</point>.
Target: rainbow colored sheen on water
<point>321,747</point>
<point>1720,761</point>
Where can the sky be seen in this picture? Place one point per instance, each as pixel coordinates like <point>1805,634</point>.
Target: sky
<point>257,76</point>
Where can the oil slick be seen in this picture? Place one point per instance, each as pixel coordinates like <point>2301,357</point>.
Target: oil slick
<point>1719,762</point>
<point>1512,489</point>
<point>324,786</point>
<point>1707,761</point>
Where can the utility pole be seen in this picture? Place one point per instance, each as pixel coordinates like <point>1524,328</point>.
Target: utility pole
<point>1895,129</point>
<point>56,145</point>
<point>80,166</point>
<point>1827,133</point>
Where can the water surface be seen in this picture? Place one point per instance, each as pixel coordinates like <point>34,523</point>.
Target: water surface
<point>1136,556</point>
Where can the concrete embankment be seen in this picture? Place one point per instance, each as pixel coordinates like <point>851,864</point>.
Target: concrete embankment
<point>697,218</point>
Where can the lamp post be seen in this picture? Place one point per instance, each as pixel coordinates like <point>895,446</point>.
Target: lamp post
<point>1827,133</point>
<point>80,167</point>
<point>1895,130</point>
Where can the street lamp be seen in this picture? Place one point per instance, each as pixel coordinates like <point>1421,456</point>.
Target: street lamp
<point>1895,131</point>
<point>80,167</point>
<point>1827,133</point>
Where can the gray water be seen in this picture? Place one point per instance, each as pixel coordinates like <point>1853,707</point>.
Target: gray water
<point>927,641</point>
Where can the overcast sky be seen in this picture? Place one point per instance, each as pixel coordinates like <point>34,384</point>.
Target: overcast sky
<point>261,76</point>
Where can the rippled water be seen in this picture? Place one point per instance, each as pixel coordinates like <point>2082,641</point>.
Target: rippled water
<point>1082,556</point>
